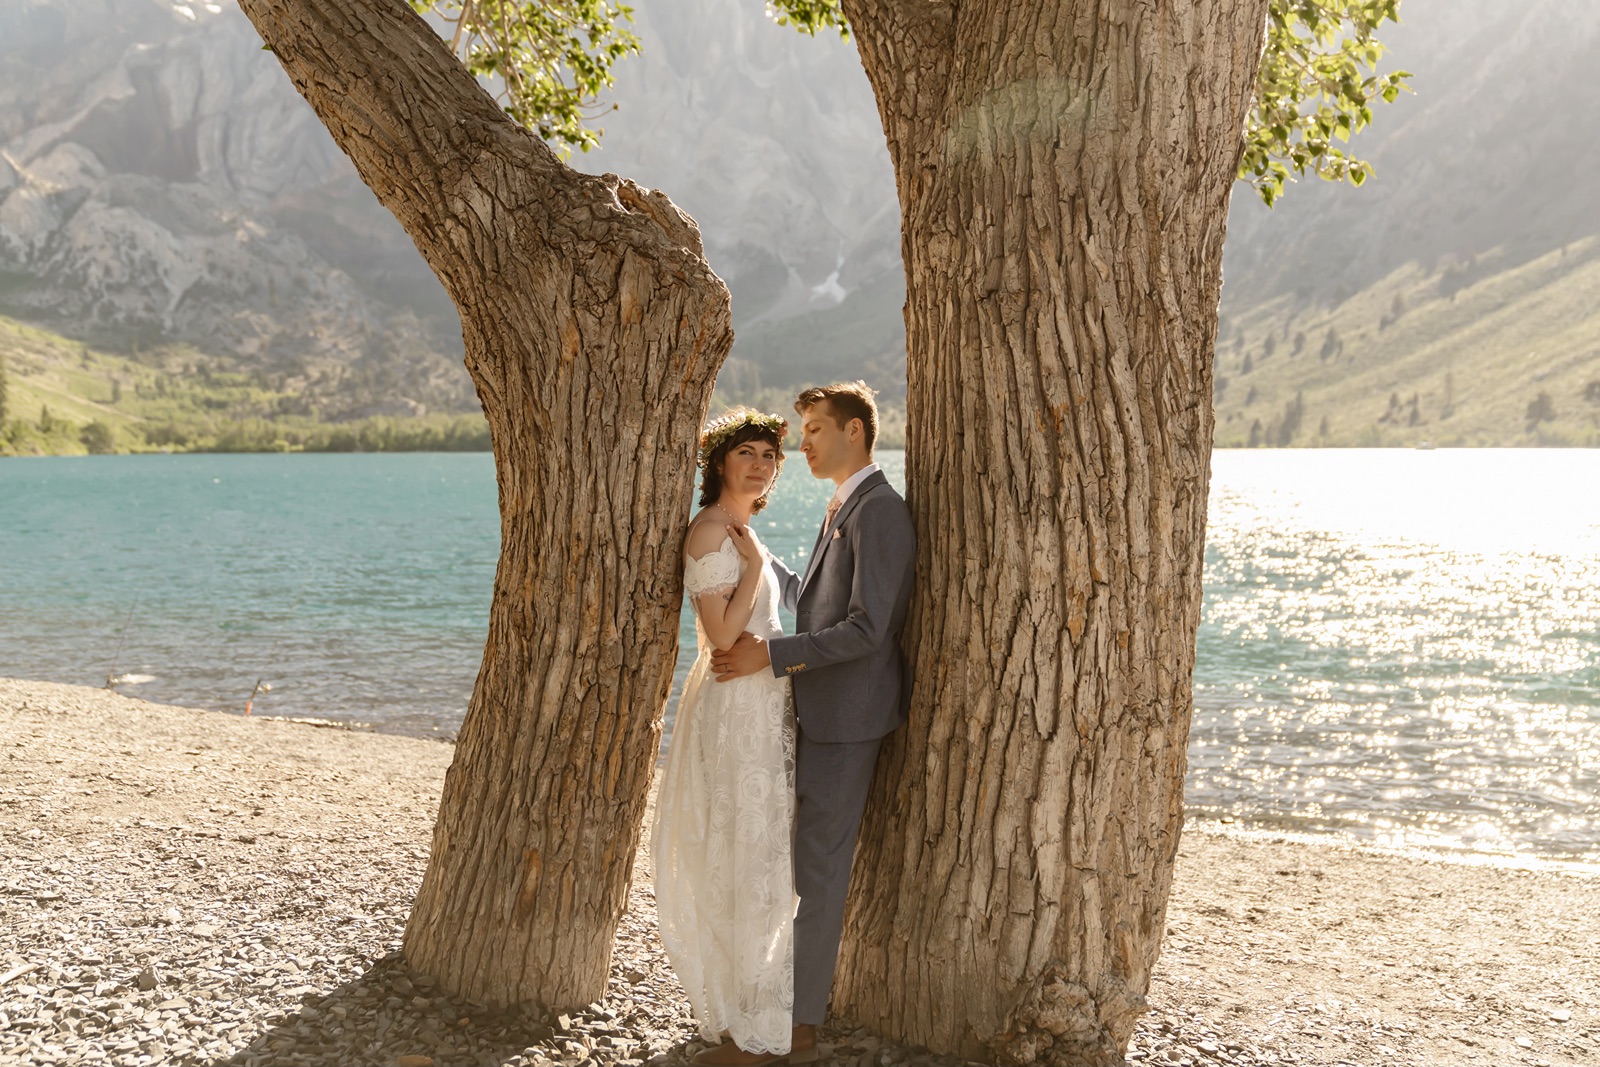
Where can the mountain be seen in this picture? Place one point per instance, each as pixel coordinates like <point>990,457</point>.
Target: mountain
<point>1493,150</point>
<point>183,206</point>
<point>1460,283</point>
<point>166,196</point>
<point>60,396</point>
<point>1461,273</point>
<point>1503,352</point>
<point>772,141</point>
<point>161,184</point>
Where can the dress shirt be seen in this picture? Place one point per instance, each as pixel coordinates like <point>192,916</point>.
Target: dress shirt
<point>852,483</point>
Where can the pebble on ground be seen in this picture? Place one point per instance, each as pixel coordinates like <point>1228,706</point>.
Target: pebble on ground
<point>188,887</point>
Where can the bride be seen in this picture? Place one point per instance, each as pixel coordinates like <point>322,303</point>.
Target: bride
<point>724,814</point>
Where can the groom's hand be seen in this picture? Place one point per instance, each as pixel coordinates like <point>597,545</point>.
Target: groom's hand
<point>747,656</point>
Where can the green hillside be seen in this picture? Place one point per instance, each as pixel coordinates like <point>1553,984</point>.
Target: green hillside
<point>63,397</point>
<point>1478,352</point>
<point>1481,352</point>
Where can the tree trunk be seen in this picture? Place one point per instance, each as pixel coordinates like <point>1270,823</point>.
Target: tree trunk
<point>1063,173</point>
<point>593,331</point>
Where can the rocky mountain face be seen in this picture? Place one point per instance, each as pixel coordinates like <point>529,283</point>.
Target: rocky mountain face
<point>771,140</point>
<point>161,182</point>
<point>1495,150</point>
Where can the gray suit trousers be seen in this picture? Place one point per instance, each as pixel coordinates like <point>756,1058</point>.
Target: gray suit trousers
<point>831,783</point>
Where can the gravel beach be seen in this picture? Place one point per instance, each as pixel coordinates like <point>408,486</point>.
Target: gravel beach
<point>189,887</point>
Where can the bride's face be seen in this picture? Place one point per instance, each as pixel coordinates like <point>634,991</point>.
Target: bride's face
<point>749,469</point>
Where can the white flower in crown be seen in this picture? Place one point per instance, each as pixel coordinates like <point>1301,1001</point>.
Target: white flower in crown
<point>723,427</point>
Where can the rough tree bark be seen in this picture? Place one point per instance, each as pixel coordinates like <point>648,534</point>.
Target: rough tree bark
<point>593,330</point>
<point>1063,171</point>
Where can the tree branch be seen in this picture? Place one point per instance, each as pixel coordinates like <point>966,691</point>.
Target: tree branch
<point>485,200</point>
<point>394,97</point>
<point>906,47</point>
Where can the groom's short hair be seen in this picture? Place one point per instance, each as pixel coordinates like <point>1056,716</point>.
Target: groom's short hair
<point>847,400</point>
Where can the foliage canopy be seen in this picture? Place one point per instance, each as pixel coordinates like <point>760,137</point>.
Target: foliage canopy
<point>549,59</point>
<point>1318,80</point>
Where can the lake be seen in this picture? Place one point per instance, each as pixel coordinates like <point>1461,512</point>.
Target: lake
<point>1398,646</point>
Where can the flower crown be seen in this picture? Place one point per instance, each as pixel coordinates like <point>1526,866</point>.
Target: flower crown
<point>723,427</point>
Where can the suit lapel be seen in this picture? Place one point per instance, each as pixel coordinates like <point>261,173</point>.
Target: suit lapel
<point>816,550</point>
<point>816,554</point>
<point>825,538</point>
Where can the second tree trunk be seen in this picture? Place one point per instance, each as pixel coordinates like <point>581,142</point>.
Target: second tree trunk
<point>1064,172</point>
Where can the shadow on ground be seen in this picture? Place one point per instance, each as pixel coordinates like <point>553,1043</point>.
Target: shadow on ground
<point>393,1017</point>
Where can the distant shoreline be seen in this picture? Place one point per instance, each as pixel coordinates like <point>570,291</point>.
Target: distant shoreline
<point>53,436</point>
<point>258,452</point>
<point>286,452</point>
<point>487,449</point>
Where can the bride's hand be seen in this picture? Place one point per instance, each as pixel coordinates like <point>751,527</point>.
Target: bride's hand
<point>745,540</point>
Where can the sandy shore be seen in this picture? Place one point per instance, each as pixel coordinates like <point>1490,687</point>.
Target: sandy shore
<point>189,887</point>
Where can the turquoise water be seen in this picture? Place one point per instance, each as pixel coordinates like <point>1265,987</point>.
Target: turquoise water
<point>1402,646</point>
<point>357,586</point>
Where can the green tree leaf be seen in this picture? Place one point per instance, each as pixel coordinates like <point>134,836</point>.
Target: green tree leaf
<point>809,16</point>
<point>1318,80</point>
<point>550,59</point>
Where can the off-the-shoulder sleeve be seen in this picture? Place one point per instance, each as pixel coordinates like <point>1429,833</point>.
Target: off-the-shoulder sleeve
<point>715,572</point>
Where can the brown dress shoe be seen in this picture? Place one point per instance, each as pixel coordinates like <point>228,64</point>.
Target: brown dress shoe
<point>728,1054</point>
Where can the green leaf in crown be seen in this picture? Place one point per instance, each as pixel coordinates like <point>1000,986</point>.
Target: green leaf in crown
<point>723,427</point>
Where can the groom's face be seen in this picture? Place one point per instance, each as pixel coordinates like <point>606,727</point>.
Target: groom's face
<point>828,447</point>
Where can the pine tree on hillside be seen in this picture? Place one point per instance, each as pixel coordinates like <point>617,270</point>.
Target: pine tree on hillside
<point>1541,409</point>
<point>1331,345</point>
<point>1294,413</point>
<point>4,410</point>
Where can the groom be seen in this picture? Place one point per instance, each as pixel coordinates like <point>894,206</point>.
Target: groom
<point>850,688</point>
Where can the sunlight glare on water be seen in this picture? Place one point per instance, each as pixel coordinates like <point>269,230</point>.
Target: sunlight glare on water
<point>1404,646</point>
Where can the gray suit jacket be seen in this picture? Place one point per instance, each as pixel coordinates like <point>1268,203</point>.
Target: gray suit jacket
<point>848,671</point>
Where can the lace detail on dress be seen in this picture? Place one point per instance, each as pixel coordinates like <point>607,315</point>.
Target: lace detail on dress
<point>714,572</point>
<point>721,843</point>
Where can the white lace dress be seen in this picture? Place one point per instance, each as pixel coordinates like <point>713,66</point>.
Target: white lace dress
<point>721,843</point>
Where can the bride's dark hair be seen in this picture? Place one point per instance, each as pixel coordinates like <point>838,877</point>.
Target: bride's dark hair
<point>711,478</point>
